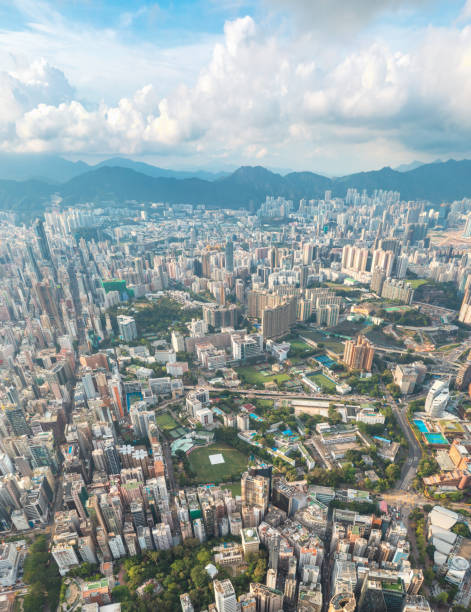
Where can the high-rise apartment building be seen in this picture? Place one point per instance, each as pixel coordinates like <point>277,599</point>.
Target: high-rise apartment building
<point>127,328</point>
<point>358,354</point>
<point>255,490</point>
<point>277,321</point>
<point>268,600</point>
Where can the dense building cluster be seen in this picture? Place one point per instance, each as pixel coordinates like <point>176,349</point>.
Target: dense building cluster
<point>123,333</point>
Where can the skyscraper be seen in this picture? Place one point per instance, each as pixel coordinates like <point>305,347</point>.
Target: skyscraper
<point>38,227</point>
<point>229,251</point>
<point>225,597</point>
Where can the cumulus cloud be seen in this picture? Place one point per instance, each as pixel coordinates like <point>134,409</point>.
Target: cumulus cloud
<point>262,96</point>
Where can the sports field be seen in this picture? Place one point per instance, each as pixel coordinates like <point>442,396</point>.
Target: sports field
<point>322,380</point>
<point>166,421</point>
<point>233,466</point>
<point>251,376</point>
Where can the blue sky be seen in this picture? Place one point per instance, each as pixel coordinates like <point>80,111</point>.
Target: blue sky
<point>328,85</point>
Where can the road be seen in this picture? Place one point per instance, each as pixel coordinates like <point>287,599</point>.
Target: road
<point>282,394</point>
<point>409,468</point>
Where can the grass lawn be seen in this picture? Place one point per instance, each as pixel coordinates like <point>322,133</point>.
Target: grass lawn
<point>322,380</point>
<point>252,376</point>
<point>165,421</point>
<point>297,343</point>
<point>449,347</point>
<point>417,282</point>
<point>234,488</point>
<point>234,463</point>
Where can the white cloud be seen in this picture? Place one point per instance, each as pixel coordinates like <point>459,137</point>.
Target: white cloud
<point>260,96</point>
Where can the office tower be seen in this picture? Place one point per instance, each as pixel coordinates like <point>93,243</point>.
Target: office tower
<point>358,354</point>
<point>138,515</point>
<point>381,594</point>
<point>437,398</point>
<point>255,490</point>
<point>224,595</point>
<point>229,251</point>
<point>43,244</point>
<point>277,321</point>
<point>17,420</point>
<point>127,328</point>
<point>113,463</point>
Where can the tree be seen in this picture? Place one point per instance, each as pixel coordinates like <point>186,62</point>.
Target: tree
<point>442,598</point>
<point>35,599</point>
<point>392,472</point>
<point>394,389</point>
<point>121,593</point>
<point>462,530</point>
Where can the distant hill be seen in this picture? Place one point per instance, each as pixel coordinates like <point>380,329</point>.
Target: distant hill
<point>56,169</point>
<point>43,167</point>
<point>437,182</point>
<point>156,172</point>
<point>406,167</point>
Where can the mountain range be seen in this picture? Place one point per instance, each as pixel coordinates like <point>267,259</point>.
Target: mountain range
<point>120,180</point>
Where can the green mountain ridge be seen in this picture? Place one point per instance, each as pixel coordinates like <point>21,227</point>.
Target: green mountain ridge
<point>247,186</point>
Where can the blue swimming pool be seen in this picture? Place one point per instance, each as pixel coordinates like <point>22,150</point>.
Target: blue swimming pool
<point>421,426</point>
<point>325,360</point>
<point>436,438</point>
